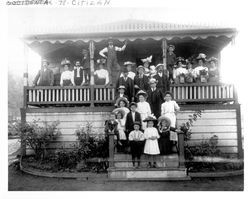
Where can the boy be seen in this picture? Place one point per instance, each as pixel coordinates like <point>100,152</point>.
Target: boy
<point>171,58</point>
<point>136,140</point>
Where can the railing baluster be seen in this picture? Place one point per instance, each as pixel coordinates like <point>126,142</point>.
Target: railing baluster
<point>191,92</point>
<point>57,95</point>
<point>113,94</point>
<point>223,91</point>
<point>77,99</point>
<point>88,94</point>
<point>203,92</point>
<point>61,95</point>
<point>97,94</point>
<point>211,92</point>
<point>231,91</point>
<point>199,92</point>
<point>101,96</point>
<point>195,97</point>
<point>228,91</point>
<point>49,95</point>
<point>65,95</point>
<point>30,96</point>
<point>53,95</point>
<point>174,92</point>
<point>219,91</point>
<point>215,91</point>
<point>109,94</point>
<point>186,91</point>
<point>42,90</point>
<point>81,93</point>
<point>37,95</point>
<point>183,92</point>
<point>69,95</point>
<point>104,91</point>
<point>73,94</point>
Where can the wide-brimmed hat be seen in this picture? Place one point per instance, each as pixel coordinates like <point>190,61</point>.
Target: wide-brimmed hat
<point>124,99</point>
<point>152,69</point>
<point>121,87</point>
<point>202,57</point>
<point>128,63</point>
<point>158,66</point>
<point>150,118</point>
<point>65,62</point>
<point>171,45</point>
<point>132,104</point>
<point>140,67</point>
<point>161,118</point>
<point>147,59</point>
<point>143,93</point>
<point>179,59</point>
<point>152,81</point>
<point>119,110</point>
<point>137,123</point>
<point>212,59</point>
<point>45,60</point>
<point>101,61</point>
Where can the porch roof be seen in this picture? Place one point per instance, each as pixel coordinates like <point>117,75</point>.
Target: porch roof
<point>128,29</point>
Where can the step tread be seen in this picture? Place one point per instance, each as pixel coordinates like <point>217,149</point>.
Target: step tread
<point>148,169</point>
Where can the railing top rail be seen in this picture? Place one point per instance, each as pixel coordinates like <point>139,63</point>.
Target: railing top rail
<point>201,84</point>
<point>65,87</point>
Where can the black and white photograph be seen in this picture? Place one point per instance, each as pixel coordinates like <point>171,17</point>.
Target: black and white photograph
<point>108,95</point>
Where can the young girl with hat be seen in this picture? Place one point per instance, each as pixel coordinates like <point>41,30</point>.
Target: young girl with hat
<point>143,107</point>
<point>151,135</point>
<point>136,141</point>
<point>123,103</point>
<point>169,109</point>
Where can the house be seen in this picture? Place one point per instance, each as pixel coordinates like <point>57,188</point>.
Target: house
<point>75,106</point>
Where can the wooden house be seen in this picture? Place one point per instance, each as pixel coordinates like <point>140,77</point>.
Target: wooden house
<point>75,106</point>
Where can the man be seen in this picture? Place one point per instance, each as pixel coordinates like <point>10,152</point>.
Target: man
<point>171,58</point>
<point>86,65</point>
<point>111,56</point>
<point>155,98</point>
<point>128,83</point>
<point>45,75</point>
<point>141,80</point>
<point>132,116</point>
<point>129,65</point>
<point>57,76</point>
<point>121,93</point>
<point>78,72</point>
<point>162,79</point>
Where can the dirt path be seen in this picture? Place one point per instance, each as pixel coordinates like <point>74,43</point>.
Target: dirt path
<point>19,181</point>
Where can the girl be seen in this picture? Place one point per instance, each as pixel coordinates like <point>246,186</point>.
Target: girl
<point>151,135</point>
<point>164,127</point>
<point>143,107</point>
<point>169,109</point>
<point>122,103</point>
<point>121,128</point>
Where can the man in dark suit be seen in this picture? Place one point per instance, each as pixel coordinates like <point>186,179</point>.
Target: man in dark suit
<point>155,98</point>
<point>141,80</point>
<point>132,116</point>
<point>162,79</point>
<point>45,75</point>
<point>128,83</point>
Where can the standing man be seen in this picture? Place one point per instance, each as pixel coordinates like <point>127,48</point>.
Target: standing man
<point>45,75</point>
<point>128,83</point>
<point>162,79</point>
<point>111,56</point>
<point>171,58</point>
<point>86,65</point>
<point>78,72</point>
<point>155,98</point>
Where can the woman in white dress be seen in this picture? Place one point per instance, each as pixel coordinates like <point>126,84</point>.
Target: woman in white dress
<point>169,109</point>
<point>151,136</point>
<point>143,107</point>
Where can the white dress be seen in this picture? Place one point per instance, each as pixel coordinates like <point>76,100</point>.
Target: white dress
<point>151,146</point>
<point>144,109</point>
<point>121,129</point>
<point>168,109</point>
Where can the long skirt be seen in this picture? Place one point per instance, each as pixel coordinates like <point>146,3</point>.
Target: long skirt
<point>165,144</point>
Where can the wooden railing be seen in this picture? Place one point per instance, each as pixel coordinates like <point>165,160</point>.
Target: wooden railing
<point>96,95</point>
<point>203,92</point>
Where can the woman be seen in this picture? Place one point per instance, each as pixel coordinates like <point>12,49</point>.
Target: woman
<point>67,77</point>
<point>213,70</point>
<point>101,75</point>
<point>201,70</point>
<point>180,71</point>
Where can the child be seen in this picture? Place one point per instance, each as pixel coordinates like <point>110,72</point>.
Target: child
<point>171,57</point>
<point>121,129</point>
<point>143,107</point>
<point>151,135</point>
<point>169,109</point>
<point>136,139</point>
<point>122,103</point>
<point>121,91</point>
<point>165,129</point>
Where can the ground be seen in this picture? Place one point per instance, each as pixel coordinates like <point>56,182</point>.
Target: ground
<point>19,181</point>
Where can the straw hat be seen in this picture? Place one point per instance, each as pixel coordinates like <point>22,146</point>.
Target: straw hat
<point>158,66</point>
<point>119,110</point>
<point>202,57</point>
<point>128,63</point>
<point>169,46</point>
<point>143,93</point>
<point>124,99</point>
<point>161,118</point>
<point>65,62</point>
<point>121,87</point>
<point>140,67</point>
<point>152,81</point>
<point>150,118</point>
<point>137,123</point>
<point>147,59</point>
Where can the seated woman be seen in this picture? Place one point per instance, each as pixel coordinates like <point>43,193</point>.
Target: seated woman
<point>101,75</point>
<point>213,72</point>
<point>165,129</point>
<point>67,77</point>
<point>201,71</point>
<point>180,71</point>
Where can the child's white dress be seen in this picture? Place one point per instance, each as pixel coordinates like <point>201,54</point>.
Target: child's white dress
<point>121,129</point>
<point>168,109</point>
<point>144,109</point>
<point>151,146</point>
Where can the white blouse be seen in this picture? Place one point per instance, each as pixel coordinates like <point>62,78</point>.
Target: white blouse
<point>136,135</point>
<point>198,69</point>
<point>169,107</point>
<point>179,71</point>
<point>130,74</point>
<point>102,74</point>
<point>67,75</point>
<point>144,108</point>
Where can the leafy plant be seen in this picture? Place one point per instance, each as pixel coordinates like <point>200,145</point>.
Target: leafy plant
<point>38,137</point>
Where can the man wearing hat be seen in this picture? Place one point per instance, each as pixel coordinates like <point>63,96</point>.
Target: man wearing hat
<point>129,65</point>
<point>132,116</point>
<point>45,76</point>
<point>155,98</point>
<point>111,56</point>
<point>162,79</point>
<point>121,91</point>
<point>86,65</point>
<point>171,58</point>
<point>128,83</point>
<point>141,80</point>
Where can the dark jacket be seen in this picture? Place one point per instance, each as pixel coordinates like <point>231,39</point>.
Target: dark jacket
<point>163,82</point>
<point>129,125</point>
<point>142,83</point>
<point>46,78</point>
<point>155,99</point>
<point>129,86</point>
